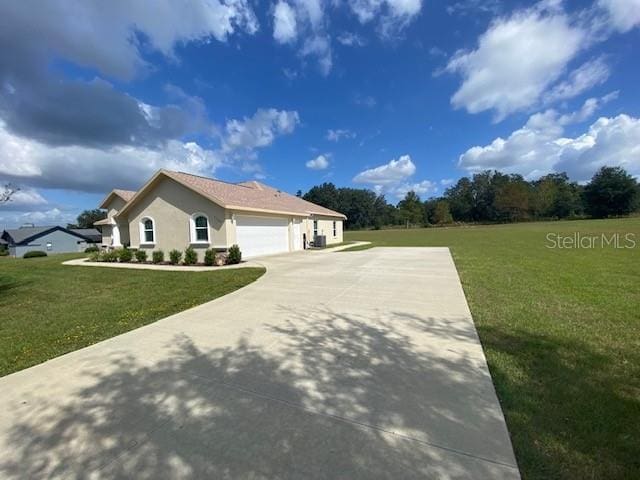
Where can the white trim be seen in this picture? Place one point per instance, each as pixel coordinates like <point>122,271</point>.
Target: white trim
<point>115,235</point>
<point>192,229</point>
<point>142,231</point>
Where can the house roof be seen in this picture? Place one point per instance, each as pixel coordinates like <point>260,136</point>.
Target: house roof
<point>246,196</point>
<point>22,235</point>
<point>126,195</point>
<point>92,234</point>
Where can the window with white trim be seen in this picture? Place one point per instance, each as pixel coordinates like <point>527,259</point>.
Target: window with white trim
<point>147,230</point>
<point>315,228</point>
<point>199,228</point>
<point>335,234</point>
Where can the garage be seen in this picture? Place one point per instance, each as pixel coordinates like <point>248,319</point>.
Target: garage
<point>262,235</point>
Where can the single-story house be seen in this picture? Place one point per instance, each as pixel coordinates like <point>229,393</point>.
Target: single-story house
<point>93,235</point>
<point>175,210</point>
<point>50,239</point>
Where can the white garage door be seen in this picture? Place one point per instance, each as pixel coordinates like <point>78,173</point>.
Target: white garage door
<point>262,235</point>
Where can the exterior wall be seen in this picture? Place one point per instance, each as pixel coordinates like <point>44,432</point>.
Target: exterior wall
<point>113,207</point>
<point>171,205</point>
<point>106,234</point>
<point>325,227</point>
<point>61,242</point>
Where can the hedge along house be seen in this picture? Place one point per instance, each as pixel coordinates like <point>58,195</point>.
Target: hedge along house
<point>51,239</point>
<point>175,210</point>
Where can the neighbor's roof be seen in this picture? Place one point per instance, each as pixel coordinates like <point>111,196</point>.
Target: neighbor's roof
<point>90,233</point>
<point>247,196</point>
<point>126,195</point>
<point>25,234</point>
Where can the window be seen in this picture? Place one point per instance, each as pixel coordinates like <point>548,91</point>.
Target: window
<point>335,234</point>
<point>315,228</point>
<point>147,231</point>
<point>49,246</point>
<point>199,228</point>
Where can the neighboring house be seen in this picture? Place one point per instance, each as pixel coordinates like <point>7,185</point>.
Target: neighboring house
<point>174,210</point>
<point>92,234</point>
<point>51,239</point>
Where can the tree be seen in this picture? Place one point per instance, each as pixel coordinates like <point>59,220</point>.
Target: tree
<point>87,218</point>
<point>554,196</point>
<point>411,209</point>
<point>325,195</point>
<point>299,194</point>
<point>441,213</point>
<point>612,191</point>
<point>7,192</point>
<point>511,199</point>
<point>461,200</point>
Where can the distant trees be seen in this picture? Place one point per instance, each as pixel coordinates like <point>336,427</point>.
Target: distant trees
<point>612,191</point>
<point>87,218</point>
<point>488,196</point>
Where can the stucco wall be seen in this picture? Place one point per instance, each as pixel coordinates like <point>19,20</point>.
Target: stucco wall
<point>325,227</point>
<point>171,205</point>
<point>61,242</point>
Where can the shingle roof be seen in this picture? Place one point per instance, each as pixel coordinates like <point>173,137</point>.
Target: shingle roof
<point>250,195</point>
<point>125,194</point>
<point>23,234</point>
<point>92,234</point>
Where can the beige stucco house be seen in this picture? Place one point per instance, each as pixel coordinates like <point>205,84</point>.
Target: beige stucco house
<point>174,210</point>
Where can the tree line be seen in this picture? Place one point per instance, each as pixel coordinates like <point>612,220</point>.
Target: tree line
<point>488,197</point>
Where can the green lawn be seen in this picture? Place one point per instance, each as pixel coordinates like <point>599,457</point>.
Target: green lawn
<point>561,332</point>
<point>47,309</point>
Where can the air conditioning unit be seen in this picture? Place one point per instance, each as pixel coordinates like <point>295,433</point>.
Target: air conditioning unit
<point>320,241</point>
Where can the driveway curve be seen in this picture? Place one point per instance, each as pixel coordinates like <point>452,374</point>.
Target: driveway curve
<point>357,365</point>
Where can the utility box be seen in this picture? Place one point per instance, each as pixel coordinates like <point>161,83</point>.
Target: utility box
<point>320,241</point>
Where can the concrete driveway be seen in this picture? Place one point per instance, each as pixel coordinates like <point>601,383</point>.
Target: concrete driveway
<point>357,365</point>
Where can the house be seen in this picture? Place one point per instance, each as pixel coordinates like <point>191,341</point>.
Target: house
<point>93,235</point>
<point>50,239</point>
<point>174,210</point>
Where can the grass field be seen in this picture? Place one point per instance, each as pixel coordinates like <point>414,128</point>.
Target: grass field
<point>47,309</point>
<point>561,332</point>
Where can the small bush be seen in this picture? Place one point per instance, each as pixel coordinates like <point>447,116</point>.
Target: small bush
<point>109,256</point>
<point>34,254</point>
<point>209,257</point>
<point>91,249</point>
<point>4,252</point>
<point>125,255</point>
<point>190,256</point>
<point>235,255</point>
<point>94,257</point>
<point>157,256</point>
<point>141,255</point>
<point>175,256</point>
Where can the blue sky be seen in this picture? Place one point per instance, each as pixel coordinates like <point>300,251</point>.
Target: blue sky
<point>390,95</point>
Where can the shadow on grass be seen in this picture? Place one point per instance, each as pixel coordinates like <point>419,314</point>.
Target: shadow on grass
<point>325,396</point>
<point>572,411</point>
<point>8,283</point>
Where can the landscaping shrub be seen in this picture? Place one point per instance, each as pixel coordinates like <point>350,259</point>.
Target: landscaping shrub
<point>109,256</point>
<point>209,257</point>
<point>94,257</point>
<point>190,256</point>
<point>34,254</point>
<point>91,249</point>
<point>157,256</point>
<point>4,251</point>
<point>141,255</point>
<point>235,255</point>
<point>125,255</point>
<point>175,256</point>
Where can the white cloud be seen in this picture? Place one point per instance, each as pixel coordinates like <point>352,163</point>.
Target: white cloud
<point>540,147</point>
<point>106,38</point>
<point>365,100</point>
<point>351,39</point>
<point>285,27</point>
<point>446,181</point>
<point>52,216</point>
<point>340,133</point>
<point>589,74</point>
<point>25,197</point>
<point>623,14</point>
<point>260,130</point>
<point>321,162</point>
<point>388,174</point>
<point>424,189</point>
<point>516,60</point>
<point>319,46</point>
<point>393,15</point>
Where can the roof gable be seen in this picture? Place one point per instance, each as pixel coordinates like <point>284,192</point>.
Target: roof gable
<point>24,235</point>
<point>125,195</point>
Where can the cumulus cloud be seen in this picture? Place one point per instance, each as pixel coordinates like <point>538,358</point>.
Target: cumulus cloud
<point>319,46</point>
<point>321,162</point>
<point>391,173</point>
<point>623,15</point>
<point>393,15</point>
<point>51,216</point>
<point>260,130</point>
<point>351,39</point>
<point>424,189</point>
<point>285,27</point>
<point>540,147</point>
<point>516,60</point>
<point>340,133</point>
<point>592,73</point>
